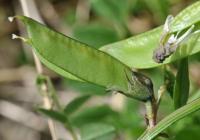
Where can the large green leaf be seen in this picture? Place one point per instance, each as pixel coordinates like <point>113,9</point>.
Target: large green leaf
<point>170,119</point>
<point>182,84</point>
<point>65,55</point>
<point>137,51</point>
<point>84,87</point>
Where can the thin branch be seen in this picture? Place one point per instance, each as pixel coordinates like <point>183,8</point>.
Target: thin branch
<point>30,10</point>
<point>151,113</point>
<point>161,92</point>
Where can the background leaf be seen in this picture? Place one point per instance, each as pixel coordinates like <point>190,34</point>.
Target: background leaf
<point>97,131</point>
<point>61,117</point>
<point>91,115</point>
<point>182,84</point>
<point>75,104</point>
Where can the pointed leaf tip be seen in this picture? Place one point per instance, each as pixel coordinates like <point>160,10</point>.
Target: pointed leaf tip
<point>14,36</point>
<point>11,19</point>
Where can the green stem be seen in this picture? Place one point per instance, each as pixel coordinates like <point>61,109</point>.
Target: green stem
<point>53,94</point>
<point>68,126</point>
<point>42,79</point>
<point>55,99</point>
<point>151,112</point>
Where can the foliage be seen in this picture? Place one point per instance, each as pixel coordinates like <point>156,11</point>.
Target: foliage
<point>110,66</point>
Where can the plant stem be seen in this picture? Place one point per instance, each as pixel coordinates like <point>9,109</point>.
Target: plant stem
<point>45,86</point>
<point>161,92</point>
<point>30,10</point>
<point>151,112</point>
<point>53,93</point>
<point>71,130</point>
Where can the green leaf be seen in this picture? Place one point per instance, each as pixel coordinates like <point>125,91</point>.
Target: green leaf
<point>187,17</point>
<point>137,51</point>
<point>170,119</point>
<point>85,88</point>
<point>95,35</point>
<point>54,115</point>
<point>182,84</point>
<point>97,131</point>
<point>75,104</point>
<point>91,114</point>
<point>65,55</point>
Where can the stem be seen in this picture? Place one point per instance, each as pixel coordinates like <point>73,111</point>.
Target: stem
<point>71,130</point>
<point>47,105</point>
<point>46,87</point>
<point>161,92</point>
<point>53,93</point>
<point>30,10</point>
<point>151,112</point>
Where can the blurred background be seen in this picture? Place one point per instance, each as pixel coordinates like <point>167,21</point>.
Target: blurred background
<point>95,22</point>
